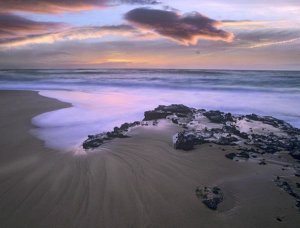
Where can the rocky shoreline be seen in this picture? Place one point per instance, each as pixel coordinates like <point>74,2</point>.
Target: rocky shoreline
<point>254,137</point>
<point>252,134</point>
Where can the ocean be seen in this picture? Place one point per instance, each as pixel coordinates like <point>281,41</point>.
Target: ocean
<point>104,98</point>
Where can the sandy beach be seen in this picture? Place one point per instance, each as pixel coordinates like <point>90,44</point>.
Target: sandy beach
<point>141,181</point>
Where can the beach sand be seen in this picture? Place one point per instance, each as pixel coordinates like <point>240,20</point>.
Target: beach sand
<point>140,181</point>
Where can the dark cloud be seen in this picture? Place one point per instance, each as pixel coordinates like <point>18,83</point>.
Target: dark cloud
<point>60,6</point>
<point>13,26</point>
<point>186,29</point>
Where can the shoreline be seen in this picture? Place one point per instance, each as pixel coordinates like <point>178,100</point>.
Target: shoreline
<point>141,181</point>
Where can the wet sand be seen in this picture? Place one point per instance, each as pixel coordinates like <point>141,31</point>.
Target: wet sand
<point>136,182</point>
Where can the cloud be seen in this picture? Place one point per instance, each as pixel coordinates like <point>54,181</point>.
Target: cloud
<point>256,25</point>
<point>141,2</point>
<point>76,33</point>
<point>272,43</point>
<point>60,6</point>
<point>186,29</point>
<point>13,26</point>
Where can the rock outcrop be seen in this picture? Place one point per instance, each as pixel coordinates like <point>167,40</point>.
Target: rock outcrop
<point>251,134</point>
<point>95,141</point>
<point>163,111</point>
<point>210,196</point>
<point>286,186</point>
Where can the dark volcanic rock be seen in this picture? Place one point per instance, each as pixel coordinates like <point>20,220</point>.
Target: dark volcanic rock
<point>163,111</point>
<point>218,117</point>
<point>174,121</point>
<point>226,140</point>
<point>295,154</point>
<point>230,156</point>
<point>155,115</point>
<point>175,108</point>
<point>211,197</point>
<point>284,185</point>
<point>94,141</point>
<point>271,121</point>
<point>279,219</point>
<point>262,162</point>
<point>233,130</point>
<point>244,155</point>
<point>229,131</point>
<point>215,116</point>
<point>184,141</point>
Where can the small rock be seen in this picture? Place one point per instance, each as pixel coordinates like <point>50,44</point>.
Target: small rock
<point>175,121</point>
<point>279,218</point>
<point>211,197</point>
<point>230,156</point>
<point>92,143</point>
<point>162,111</point>
<point>243,154</point>
<point>262,162</point>
<point>184,141</point>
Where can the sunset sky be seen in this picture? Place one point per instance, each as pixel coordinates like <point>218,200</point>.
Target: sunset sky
<point>215,34</point>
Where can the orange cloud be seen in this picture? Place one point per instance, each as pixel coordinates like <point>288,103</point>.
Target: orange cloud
<point>80,33</point>
<point>60,6</point>
<point>13,26</point>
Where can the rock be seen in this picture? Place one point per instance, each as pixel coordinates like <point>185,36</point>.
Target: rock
<point>243,154</point>
<point>226,140</point>
<point>298,203</point>
<point>279,218</point>
<point>253,117</point>
<point>262,162</point>
<point>215,116</point>
<point>295,154</point>
<point>284,185</point>
<point>155,115</point>
<point>230,156</point>
<point>227,131</point>
<point>116,134</point>
<point>124,127</point>
<point>92,143</point>
<point>211,197</point>
<point>175,109</point>
<point>184,141</point>
<point>233,130</point>
<point>162,111</point>
<point>175,121</point>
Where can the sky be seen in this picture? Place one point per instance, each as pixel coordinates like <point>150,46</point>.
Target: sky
<point>186,34</point>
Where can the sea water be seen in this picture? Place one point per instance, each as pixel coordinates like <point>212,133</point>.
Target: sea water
<point>103,99</point>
